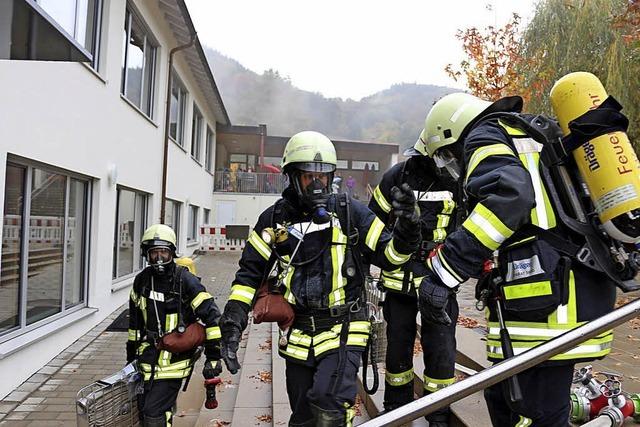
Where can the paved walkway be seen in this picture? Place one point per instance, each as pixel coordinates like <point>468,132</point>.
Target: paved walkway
<point>48,397</point>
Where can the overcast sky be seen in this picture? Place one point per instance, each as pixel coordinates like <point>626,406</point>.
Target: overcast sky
<point>348,48</point>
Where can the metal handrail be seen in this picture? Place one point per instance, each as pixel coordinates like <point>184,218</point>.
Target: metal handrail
<point>506,368</point>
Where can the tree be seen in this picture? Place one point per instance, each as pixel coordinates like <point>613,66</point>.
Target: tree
<point>493,54</point>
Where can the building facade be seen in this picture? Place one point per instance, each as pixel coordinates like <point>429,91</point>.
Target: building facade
<point>82,157</point>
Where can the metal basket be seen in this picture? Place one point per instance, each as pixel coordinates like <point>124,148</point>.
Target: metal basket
<point>111,401</point>
<point>375,297</point>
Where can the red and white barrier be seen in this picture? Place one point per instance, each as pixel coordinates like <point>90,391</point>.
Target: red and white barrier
<point>214,238</point>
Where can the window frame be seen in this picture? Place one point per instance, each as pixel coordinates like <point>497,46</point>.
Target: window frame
<point>177,210</point>
<point>206,216</point>
<point>194,212</point>
<point>197,122</point>
<point>149,39</point>
<point>181,107</point>
<point>145,217</point>
<point>208,149</point>
<point>29,165</point>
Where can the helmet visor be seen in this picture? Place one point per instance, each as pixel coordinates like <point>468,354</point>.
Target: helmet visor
<point>314,167</point>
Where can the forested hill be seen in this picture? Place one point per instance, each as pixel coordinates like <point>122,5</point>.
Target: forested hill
<point>393,115</point>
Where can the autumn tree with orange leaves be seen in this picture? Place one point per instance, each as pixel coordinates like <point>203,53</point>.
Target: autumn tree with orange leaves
<point>493,55</point>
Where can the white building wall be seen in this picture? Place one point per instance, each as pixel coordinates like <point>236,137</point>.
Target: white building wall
<point>66,115</point>
<point>245,208</point>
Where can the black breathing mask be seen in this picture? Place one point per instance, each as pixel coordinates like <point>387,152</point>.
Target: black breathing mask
<point>315,197</point>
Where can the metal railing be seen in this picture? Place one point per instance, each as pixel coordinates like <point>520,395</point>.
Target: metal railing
<point>506,368</point>
<point>249,182</point>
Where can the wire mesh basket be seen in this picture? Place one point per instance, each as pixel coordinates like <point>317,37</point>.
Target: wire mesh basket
<point>111,401</point>
<point>375,297</point>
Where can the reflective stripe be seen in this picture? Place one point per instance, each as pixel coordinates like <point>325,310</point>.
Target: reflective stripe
<point>295,352</point>
<point>393,256</point>
<point>177,370</point>
<point>439,265</point>
<point>396,380</point>
<point>338,282</point>
<point>449,206</point>
<point>487,227</point>
<point>362,326</point>
<point>483,152</point>
<point>142,347</point>
<point>242,293</point>
<point>168,415</point>
<point>373,235</point>
<point>433,196</point>
<point>511,130</point>
<point>259,245</point>
<point>380,199</point>
<point>312,227</point>
<point>435,384</point>
<point>592,348</point>
<point>195,303</point>
<point>143,308</point>
<point>566,314</point>
<point>213,333</point>
<point>134,335</point>
<point>171,322</point>
<point>350,414</point>
<point>539,210</point>
<point>134,296</point>
<point>526,290</point>
<point>524,422</point>
<point>297,337</point>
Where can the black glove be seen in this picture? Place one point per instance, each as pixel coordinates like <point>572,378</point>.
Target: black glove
<point>231,334</point>
<point>212,369</point>
<point>434,297</point>
<point>131,351</point>
<point>407,212</point>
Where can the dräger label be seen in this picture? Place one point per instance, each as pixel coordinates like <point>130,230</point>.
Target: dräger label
<point>522,268</point>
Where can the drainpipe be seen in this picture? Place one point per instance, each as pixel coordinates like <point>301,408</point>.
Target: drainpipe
<point>167,117</point>
<point>263,133</point>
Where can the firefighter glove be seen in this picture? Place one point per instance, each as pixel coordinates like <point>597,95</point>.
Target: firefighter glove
<point>434,297</point>
<point>407,212</point>
<point>231,335</point>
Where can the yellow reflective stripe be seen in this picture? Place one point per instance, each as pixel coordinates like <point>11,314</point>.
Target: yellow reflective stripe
<point>357,340</point>
<point>381,200</point>
<point>171,322</point>
<point>295,352</point>
<point>350,414</point>
<point>363,326</point>
<point>242,293</point>
<point>483,152</point>
<point>591,348</point>
<point>259,245</point>
<point>566,314</point>
<point>338,247</point>
<point>213,333</point>
<point>524,422</point>
<point>526,290</point>
<point>487,227</point>
<point>297,337</point>
<point>373,235</point>
<point>134,334</point>
<point>435,384</point>
<point>142,347</point>
<point>143,308</point>
<point>326,346</point>
<point>134,296</point>
<point>286,281</point>
<point>393,256</point>
<point>396,380</point>
<point>195,303</point>
<point>168,415</point>
<point>448,206</point>
<point>511,130</point>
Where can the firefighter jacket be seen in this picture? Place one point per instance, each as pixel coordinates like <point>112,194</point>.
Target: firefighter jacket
<point>435,196</point>
<point>157,306</point>
<point>314,283</point>
<point>544,293</point>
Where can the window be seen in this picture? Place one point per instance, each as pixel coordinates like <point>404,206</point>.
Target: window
<point>138,64</point>
<point>208,150</point>
<point>365,165</point>
<point>177,113</point>
<point>131,220</point>
<point>342,164</point>
<point>192,233</point>
<point>81,19</point>
<point>172,218</point>
<point>196,133</point>
<point>206,215</point>
<point>44,245</point>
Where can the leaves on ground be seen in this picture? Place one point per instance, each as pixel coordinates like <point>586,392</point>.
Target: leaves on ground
<point>263,376</point>
<point>266,346</point>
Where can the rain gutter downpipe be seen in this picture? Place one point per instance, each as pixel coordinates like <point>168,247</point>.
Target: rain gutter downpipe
<point>167,117</point>
<point>506,368</point>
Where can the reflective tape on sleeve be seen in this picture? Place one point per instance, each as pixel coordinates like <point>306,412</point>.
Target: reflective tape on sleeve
<point>483,152</point>
<point>373,235</point>
<point>213,333</point>
<point>393,256</point>
<point>381,200</point>
<point>487,227</point>
<point>195,303</point>
<point>259,245</point>
<point>242,293</point>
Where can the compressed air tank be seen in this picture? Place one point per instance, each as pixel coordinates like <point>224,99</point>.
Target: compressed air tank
<point>607,164</point>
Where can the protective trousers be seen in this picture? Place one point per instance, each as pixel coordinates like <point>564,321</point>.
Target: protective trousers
<point>545,399</point>
<point>438,346</point>
<point>312,400</point>
<point>157,403</point>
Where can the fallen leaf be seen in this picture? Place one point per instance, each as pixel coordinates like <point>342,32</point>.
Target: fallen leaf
<point>264,418</point>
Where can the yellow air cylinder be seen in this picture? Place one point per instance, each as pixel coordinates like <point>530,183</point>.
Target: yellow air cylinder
<point>608,164</point>
<point>187,262</point>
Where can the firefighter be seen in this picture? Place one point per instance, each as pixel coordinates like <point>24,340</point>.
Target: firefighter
<point>434,193</point>
<point>318,264</point>
<point>167,298</point>
<point>543,292</point>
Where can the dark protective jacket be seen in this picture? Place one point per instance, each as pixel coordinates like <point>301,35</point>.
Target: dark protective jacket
<point>435,196</point>
<point>545,293</point>
<point>151,290</point>
<point>315,282</point>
